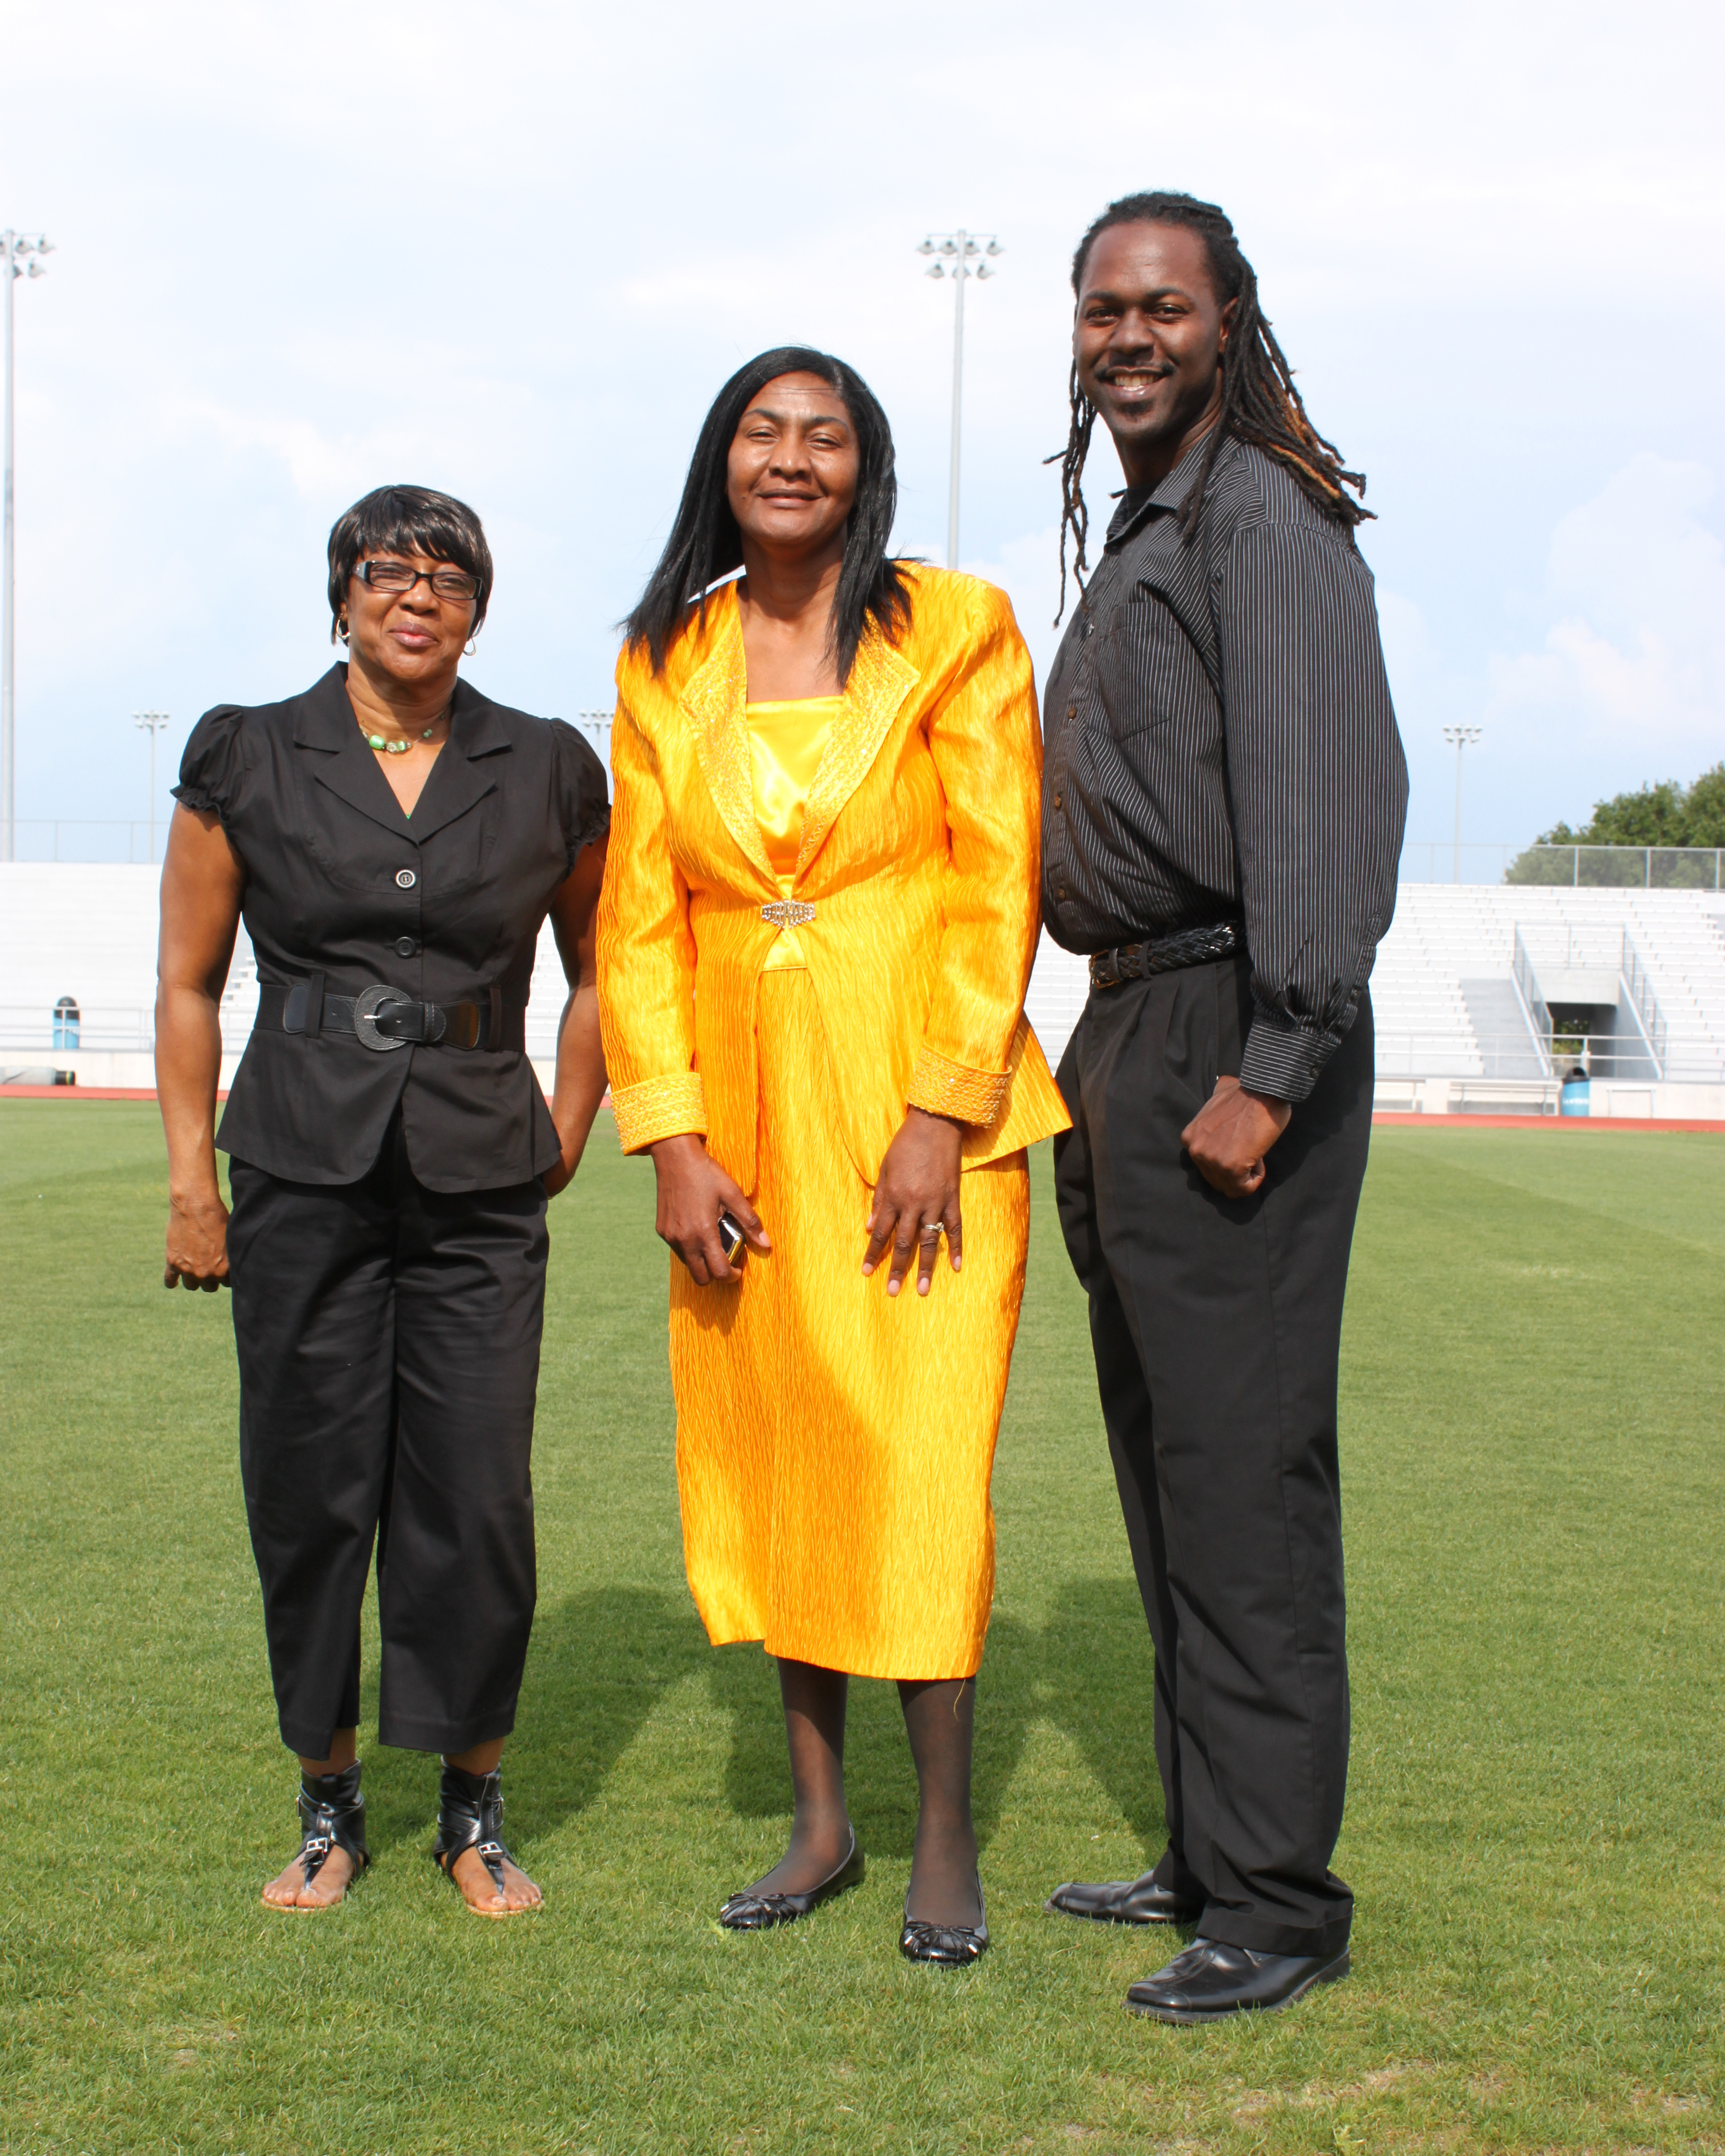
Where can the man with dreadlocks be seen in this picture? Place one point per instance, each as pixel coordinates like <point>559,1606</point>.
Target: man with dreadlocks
<point>1223,796</point>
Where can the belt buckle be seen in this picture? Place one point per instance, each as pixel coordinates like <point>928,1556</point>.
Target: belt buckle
<point>787,912</point>
<point>1104,969</point>
<point>369,1005</point>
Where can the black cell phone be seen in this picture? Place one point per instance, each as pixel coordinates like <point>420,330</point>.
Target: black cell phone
<point>736,1243</point>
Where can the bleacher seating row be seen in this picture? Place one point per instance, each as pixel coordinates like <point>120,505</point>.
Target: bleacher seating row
<point>1448,1012</point>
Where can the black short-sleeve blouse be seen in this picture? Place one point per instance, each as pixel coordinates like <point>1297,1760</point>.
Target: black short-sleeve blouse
<point>445,904</point>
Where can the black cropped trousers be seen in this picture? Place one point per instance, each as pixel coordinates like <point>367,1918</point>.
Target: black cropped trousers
<point>1216,1325</point>
<point>388,1343</point>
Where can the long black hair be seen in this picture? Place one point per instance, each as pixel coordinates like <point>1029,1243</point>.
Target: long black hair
<point>1260,402</point>
<point>705,544</point>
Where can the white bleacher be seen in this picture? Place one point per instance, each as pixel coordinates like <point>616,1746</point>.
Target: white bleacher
<point>1446,934</point>
<point>89,931</point>
<point>1430,1052</point>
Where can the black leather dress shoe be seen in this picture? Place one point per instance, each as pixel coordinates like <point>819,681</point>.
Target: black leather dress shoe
<point>1125,1901</point>
<point>1212,1980</point>
<point>751,1912</point>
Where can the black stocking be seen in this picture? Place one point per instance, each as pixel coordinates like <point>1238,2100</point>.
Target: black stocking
<point>939,1718</point>
<point>820,1828</point>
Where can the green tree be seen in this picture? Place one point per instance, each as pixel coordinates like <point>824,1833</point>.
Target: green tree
<point>1668,815</point>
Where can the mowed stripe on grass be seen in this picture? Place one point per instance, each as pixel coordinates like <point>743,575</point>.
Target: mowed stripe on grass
<point>1531,1416</point>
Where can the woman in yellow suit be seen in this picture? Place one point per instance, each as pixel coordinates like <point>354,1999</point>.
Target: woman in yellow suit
<point>814,938</point>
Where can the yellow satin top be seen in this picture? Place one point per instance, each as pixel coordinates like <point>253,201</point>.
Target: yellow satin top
<point>919,858</point>
<point>787,741</point>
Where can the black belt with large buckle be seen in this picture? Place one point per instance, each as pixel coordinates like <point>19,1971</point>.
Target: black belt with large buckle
<point>383,1018</point>
<point>1165,954</point>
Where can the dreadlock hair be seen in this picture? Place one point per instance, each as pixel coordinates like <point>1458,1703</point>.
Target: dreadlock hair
<point>705,546</point>
<point>1260,402</point>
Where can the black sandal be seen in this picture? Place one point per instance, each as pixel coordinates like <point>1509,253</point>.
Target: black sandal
<point>470,1816</point>
<point>333,1816</point>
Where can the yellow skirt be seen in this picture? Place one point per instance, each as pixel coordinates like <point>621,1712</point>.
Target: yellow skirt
<point>833,1444</point>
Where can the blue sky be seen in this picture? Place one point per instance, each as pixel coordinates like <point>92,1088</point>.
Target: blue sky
<point>512,251</point>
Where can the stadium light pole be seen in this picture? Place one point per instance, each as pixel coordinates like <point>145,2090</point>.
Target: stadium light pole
<point>20,250</point>
<point>957,251</point>
<point>152,722</point>
<point>1462,737</point>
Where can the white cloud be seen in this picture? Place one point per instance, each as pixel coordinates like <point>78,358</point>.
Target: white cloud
<point>1632,652</point>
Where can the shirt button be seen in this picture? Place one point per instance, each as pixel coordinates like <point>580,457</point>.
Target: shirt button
<point>1071,711</point>
<point>406,879</point>
<point>1057,801</point>
<point>405,946</point>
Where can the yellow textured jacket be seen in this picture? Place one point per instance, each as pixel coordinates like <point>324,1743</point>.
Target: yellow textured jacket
<point>920,859</point>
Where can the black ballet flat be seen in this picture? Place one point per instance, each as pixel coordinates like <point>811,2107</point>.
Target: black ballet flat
<point>470,1816</point>
<point>750,1911</point>
<point>948,1946</point>
<point>333,1816</point>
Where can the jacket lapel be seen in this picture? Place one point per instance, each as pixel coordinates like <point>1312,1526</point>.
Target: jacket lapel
<point>343,763</point>
<point>879,681</point>
<point>715,697</point>
<point>324,723</point>
<point>469,767</point>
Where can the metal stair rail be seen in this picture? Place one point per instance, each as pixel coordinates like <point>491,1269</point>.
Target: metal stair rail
<point>1533,1002</point>
<point>1644,1003</point>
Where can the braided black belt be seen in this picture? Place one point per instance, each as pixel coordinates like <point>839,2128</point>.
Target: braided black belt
<point>1165,954</point>
<point>383,1018</point>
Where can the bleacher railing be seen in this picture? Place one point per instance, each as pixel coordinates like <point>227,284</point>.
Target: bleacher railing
<point>1644,1004</point>
<point>1527,987</point>
<point>121,1028</point>
<point>1581,867</point>
<point>1447,1054</point>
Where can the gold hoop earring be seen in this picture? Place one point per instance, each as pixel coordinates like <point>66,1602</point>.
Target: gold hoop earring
<point>341,629</point>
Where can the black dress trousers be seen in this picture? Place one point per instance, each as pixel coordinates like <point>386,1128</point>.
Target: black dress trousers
<point>1216,1324</point>
<point>389,1339</point>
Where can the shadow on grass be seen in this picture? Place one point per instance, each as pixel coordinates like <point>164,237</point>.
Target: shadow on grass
<point>1087,1672</point>
<point>598,1665</point>
<point>602,1660</point>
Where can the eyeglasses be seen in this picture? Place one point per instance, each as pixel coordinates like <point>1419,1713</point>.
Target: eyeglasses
<point>397,577</point>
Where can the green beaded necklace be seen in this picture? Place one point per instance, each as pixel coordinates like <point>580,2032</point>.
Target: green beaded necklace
<point>385,746</point>
<point>396,747</point>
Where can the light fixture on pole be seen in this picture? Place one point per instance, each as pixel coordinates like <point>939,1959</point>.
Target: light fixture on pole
<point>19,250</point>
<point>1461,737</point>
<point>957,251</point>
<point>152,722</point>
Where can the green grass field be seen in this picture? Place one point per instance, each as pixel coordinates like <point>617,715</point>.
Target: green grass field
<point>1536,1831</point>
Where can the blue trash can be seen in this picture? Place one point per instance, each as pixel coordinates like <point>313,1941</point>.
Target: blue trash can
<point>1574,1099</point>
<point>65,1022</point>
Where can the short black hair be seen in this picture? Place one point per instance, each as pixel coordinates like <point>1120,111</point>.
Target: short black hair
<point>408,520</point>
<point>705,544</point>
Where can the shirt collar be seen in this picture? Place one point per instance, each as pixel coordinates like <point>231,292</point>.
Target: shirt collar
<point>1166,494</point>
<point>325,718</point>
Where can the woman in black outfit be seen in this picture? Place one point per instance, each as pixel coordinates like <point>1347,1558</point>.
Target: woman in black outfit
<point>395,842</point>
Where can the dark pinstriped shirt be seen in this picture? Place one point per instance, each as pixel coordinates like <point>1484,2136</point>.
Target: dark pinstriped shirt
<point>1219,745</point>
